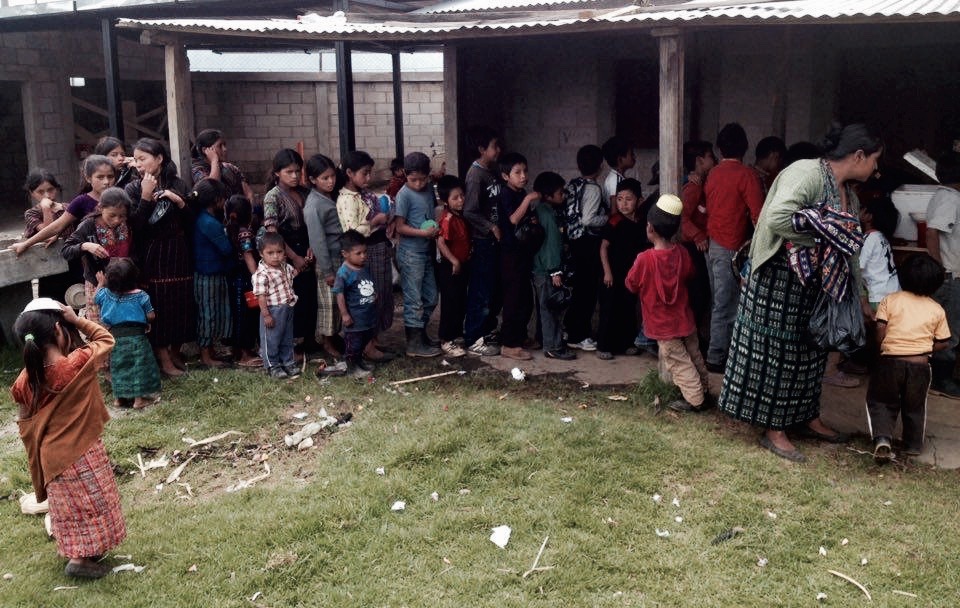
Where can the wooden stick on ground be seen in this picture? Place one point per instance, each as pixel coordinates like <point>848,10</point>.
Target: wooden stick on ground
<point>419,378</point>
<point>536,560</point>
<point>852,582</point>
<point>196,444</point>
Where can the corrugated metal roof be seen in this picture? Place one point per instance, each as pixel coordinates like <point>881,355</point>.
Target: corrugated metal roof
<point>468,6</point>
<point>421,27</point>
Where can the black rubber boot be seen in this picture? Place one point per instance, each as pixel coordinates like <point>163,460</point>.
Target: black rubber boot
<point>415,345</point>
<point>426,339</point>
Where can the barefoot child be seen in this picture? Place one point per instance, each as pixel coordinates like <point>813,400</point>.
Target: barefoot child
<point>127,312</point>
<point>61,417</point>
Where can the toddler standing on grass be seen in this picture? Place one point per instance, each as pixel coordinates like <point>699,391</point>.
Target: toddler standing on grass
<point>128,312</point>
<point>356,298</point>
<point>659,277</point>
<point>911,325</point>
<point>273,286</point>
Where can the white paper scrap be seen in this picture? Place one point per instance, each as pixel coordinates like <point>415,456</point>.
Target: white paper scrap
<point>381,471</point>
<point>500,536</point>
<point>398,506</point>
<point>662,533</point>
<point>129,568</point>
<point>517,374</point>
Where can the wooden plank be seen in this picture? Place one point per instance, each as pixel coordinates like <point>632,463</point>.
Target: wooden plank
<point>38,261</point>
<point>671,109</point>
<point>323,121</point>
<point>179,106</point>
<point>451,112</point>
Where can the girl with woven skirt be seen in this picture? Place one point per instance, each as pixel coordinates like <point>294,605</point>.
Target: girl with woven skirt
<point>283,213</point>
<point>360,209</point>
<point>773,374</point>
<point>246,319</point>
<point>61,418</point>
<point>164,222</point>
<point>213,259</point>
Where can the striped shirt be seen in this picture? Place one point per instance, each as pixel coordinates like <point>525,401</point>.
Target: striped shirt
<point>275,283</point>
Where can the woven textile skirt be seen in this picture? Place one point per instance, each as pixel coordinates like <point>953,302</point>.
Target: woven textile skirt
<point>168,270</point>
<point>213,308</point>
<point>133,368</point>
<point>773,378</point>
<point>380,263</point>
<point>328,315</point>
<point>85,506</point>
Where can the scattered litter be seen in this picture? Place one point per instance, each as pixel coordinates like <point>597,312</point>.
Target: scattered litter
<point>398,506</point>
<point>821,596</point>
<point>156,463</point>
<point>611,521</point>
<point>256,596</point>
<point>896,591</point>
<point>517,374</point>
<point>726,535</point>
<point>8,576</point>
<point>762,562</point>
<point>30,506</point>
<point>581,406</point>
<point>300,415</point>
<point>771,515</point>
<point>189,490</point>
<point>305,444</point>
<point>192,568</point>
<point>676,502</point>
<point>310,429</point>
<point>215,380</point>
<point>657,498</point>
<point>246,483</point>
<point>656,404</point>
<point>444,363</point>
<point>852,582</point>
<point>158,488</point>
<point>64,588</point>
<point>129,568</point>
<point>863,561</point>
<point>661,533</point>
<point>566,419</point>
<point>175,474</point>
<point>617,397</point>
<point>535,567</point>
<point>434,497</point>
<point>211,439</point>
<point>463,491</point>
<point>845,542</point>
<point>48,525</point>
<point>887,503</point>
<point>419,378</point>
<point>678,519</point>
<point>502,397</point>
<point>307,399</point>
<point>500,536</point>
<point>585,385</point>
<point>823,550</point>
<point>381,471</point>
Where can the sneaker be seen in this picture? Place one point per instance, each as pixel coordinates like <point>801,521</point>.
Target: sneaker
<point>452,349</point>
<point>681,405</point>
<point>337,369</point>
<point>278,372</point>
<point>632,351</point>
<point>515,352</point>
<point>493,338</point>
<point>562,354</point>
<point>292,371</point>
<point>481,349</point>
<point>585,344</point>
<point>604,355</point>
<point>946,388</point>
<point>882,454</point>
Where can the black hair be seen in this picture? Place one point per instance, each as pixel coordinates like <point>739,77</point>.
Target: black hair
<point>271,238</point>
<point>769,145</point>
<point>614,148</point>
<point>107,144</point>
<point>89,166</point>
<point>205,139</point>
<point>509,160</point>
<point>115,197</point>
<point>206,193</point>
<point>351,239</point>
<point>284,158</point>
<point>692,150</point>
<point>547,183</point>
<point>589,159</point>
<point>416,162</point>
<point>447,184</point>
<point>37,177</point>
<point>239,213</point>
<point>885,215</point>
<point>479,138</point>
<point>921,274</point>
<point>121,275</point>
<point>36,330</point>
<point>664,224</point>
<point>632,185</point>
<point>168,168</point>
<point>802,150</point>
<point>318,164</point>
<point>844,141</point>
<point>732,141</point>
<point>395,164</point>
<point>948,168</point>
<point>356,160</point>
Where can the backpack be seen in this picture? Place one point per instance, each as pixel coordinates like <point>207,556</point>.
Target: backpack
<point>573,206</point>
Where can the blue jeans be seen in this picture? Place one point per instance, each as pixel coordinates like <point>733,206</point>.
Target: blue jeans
<point>276,343</point>
<point>419,286</point>
<point>481,291</point>
<point>549,320</point>
<point>726,293</point>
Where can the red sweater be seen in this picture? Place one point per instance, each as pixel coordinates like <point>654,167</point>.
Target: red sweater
<point>693,221</point>
<point>734,200</point>
<point>659,277</point>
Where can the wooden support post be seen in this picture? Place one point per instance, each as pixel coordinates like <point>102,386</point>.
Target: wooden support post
<point>179,106</point>
<point>451,127</point>
<point>345,97</point>
<point>111,71</point>
<point>397,104</point>
<point>671,108</point>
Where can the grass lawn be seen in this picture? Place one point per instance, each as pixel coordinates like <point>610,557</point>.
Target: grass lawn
<point>319,531</point>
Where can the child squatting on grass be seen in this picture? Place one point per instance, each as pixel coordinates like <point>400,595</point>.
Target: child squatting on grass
<point>61,417</point>
<point>273,286</point>
<point>659,276</point>
<point>911,326</point>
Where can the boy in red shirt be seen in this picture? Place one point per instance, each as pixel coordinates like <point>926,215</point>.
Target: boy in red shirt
<point>453,245</point>
<point>659,277</point>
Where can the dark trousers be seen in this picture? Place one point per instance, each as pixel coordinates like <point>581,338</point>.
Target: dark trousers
<point>246,320</point>
<point>355,342</point>
<point>483,291</point>
<point>898,387</point>
<point>453,299</point>
<point>587,272</point>
<point>305,310</point>
<point>515,274</point>
<point>699,290</point>
<point>618,317</point>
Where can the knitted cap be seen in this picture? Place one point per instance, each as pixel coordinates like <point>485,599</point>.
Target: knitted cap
<point>668,203</point>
